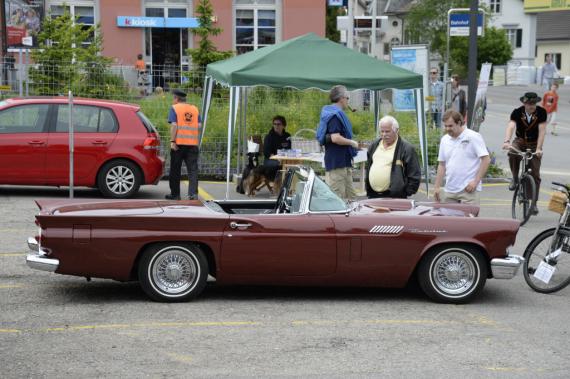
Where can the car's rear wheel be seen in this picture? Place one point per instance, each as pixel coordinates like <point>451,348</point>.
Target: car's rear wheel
<point>453,274</point>
<point>173,272</point>
<point>119,179</point>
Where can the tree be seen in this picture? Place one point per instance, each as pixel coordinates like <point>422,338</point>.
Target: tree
<point>492,47</point>
<point>68,59</point>
<point>427,23</point>
<point>207,51</point>
<point>331,31</point>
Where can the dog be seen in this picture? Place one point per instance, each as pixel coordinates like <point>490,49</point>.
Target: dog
<point>254,177</point>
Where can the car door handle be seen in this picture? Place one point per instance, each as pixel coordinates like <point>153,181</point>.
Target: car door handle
<point>99,142</point>
<point>39,143</point>
<point>235,225</point>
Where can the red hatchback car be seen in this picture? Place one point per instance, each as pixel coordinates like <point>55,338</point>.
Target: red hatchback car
<point>116,148</point>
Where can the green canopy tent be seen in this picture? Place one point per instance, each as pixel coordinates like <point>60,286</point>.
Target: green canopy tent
<point>309,61</point>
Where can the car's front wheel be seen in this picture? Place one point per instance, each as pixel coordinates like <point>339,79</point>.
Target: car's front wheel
<point>119,179</point>
<point>173,272</point>
<point>453,274</point>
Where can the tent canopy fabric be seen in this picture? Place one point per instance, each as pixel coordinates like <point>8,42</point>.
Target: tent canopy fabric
<point>310,61</point>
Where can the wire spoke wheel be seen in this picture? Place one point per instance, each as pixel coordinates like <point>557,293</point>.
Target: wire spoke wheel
<point>524,199</point>
<point>545,253</point>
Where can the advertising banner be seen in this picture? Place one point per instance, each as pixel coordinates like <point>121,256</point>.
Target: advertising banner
<point>413,58</point>
<point>23,22</point>
<point>481,97</point>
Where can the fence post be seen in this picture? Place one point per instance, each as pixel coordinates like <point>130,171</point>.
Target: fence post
<point>71,144</point>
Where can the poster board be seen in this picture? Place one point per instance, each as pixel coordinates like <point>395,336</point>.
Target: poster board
<point>414,58</point>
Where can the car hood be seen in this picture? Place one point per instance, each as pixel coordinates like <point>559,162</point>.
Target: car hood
<point>417,208</point>
<point>77,207</point>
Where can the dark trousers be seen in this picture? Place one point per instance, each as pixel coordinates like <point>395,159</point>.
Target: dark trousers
<point>533,164</point>
<point>188,155</point>
<point>436,119</point>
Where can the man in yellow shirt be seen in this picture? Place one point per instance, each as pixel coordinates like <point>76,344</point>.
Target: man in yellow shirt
<point>392,169</point>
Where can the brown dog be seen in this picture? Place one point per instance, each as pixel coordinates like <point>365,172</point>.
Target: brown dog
<point>254,177</point>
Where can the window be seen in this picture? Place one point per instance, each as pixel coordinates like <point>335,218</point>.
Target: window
<point>24,119</point>
<point>256,24</point>
<point>495,6</point>
<point>556,59</point>
<point>83,14</point>
<point>515,37</point>
<point>86,119</point>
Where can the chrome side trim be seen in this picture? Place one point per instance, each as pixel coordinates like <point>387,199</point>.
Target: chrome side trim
<point>506,268</point>
<point>37,261</point>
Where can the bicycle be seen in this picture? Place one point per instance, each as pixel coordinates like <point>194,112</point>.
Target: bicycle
<point>525,194</point>
<point>546,267</point>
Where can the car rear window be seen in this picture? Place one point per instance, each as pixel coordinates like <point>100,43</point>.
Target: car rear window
<point>86,119</point>
<point>146,122</point>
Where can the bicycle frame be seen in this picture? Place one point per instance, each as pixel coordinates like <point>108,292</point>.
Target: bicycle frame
<point>563,228</point>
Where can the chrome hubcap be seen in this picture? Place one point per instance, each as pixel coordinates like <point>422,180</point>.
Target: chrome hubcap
<point>453,273</point>
<point>174,271</point>
<point>120,180</point>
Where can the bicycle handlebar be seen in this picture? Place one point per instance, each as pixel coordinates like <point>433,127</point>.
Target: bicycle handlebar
<point>523,153</point>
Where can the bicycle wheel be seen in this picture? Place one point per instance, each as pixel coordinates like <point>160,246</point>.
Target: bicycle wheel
<point>551,256</point>
<point>524,199</point>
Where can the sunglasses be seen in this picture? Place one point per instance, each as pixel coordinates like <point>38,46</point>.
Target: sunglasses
<point>433,72</point>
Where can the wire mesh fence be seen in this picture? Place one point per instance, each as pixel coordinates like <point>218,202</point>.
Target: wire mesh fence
<point>150,89</point>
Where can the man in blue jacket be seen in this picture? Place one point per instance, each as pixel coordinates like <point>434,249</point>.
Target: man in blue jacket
<point>335,133</point>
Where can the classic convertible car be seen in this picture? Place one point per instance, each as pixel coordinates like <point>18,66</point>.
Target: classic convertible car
<point>306,237</point>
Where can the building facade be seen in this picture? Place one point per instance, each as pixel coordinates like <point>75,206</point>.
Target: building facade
<point>160,30</point>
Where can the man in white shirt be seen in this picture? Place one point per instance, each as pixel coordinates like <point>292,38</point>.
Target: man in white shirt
<point>463,160</point>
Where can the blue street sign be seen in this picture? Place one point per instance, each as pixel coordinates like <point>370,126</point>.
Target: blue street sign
<point>459,24</point>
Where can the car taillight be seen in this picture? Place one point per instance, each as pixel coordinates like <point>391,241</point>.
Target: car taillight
<point>151,142</point>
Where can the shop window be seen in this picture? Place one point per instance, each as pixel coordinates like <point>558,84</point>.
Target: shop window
<point>256,24</point>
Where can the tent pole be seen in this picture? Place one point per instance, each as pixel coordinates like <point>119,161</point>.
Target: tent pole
<point>420,117</point>
<point>232,115</point>
<point>206,99</point>
<point>376,95</point>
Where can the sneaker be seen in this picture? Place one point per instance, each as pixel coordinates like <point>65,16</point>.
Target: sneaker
<point>512,184</point>
<point>172,197</point>
<point>534,211</point>
<point>193,197</point>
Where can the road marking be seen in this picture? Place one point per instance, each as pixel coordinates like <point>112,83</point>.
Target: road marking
<point>479,321</point>
<point>507,369</point>
<point>8,286</point>
<point>10,331</point>
<point>12,254</point>
<point>555,173</point>
<point>201,192</point>
<point>151,325</point>
<point>180,357</point>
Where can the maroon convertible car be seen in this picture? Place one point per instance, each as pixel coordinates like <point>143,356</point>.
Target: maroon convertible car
<point>307,236</point>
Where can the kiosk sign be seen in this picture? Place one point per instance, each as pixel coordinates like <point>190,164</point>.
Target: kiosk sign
<point>459,24</point>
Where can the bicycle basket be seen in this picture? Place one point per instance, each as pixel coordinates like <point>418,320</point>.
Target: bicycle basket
<point>306,146</point>
<point>557,202</point>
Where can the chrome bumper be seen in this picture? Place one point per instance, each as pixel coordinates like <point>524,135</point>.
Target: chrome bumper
<point>38,260</point>
<point>506,268</point>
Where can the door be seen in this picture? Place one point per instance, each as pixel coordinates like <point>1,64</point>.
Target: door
<point>165,56</point>
<point>95,129</point>
<point>23,142</point>
<point>278,245</point>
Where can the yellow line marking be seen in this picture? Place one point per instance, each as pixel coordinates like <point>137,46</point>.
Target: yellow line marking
<point>7,286</point>
<point>204,195</point>
<point>12,254</point>
<point>180,357</point>
<point>506,369</point>
<point>10,331</point>
<point>151,325</point>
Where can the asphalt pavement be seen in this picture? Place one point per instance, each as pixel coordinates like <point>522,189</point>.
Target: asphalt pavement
<point>57,326</point>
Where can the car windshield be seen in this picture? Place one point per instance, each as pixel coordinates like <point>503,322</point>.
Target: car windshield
<point>323,199</point>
